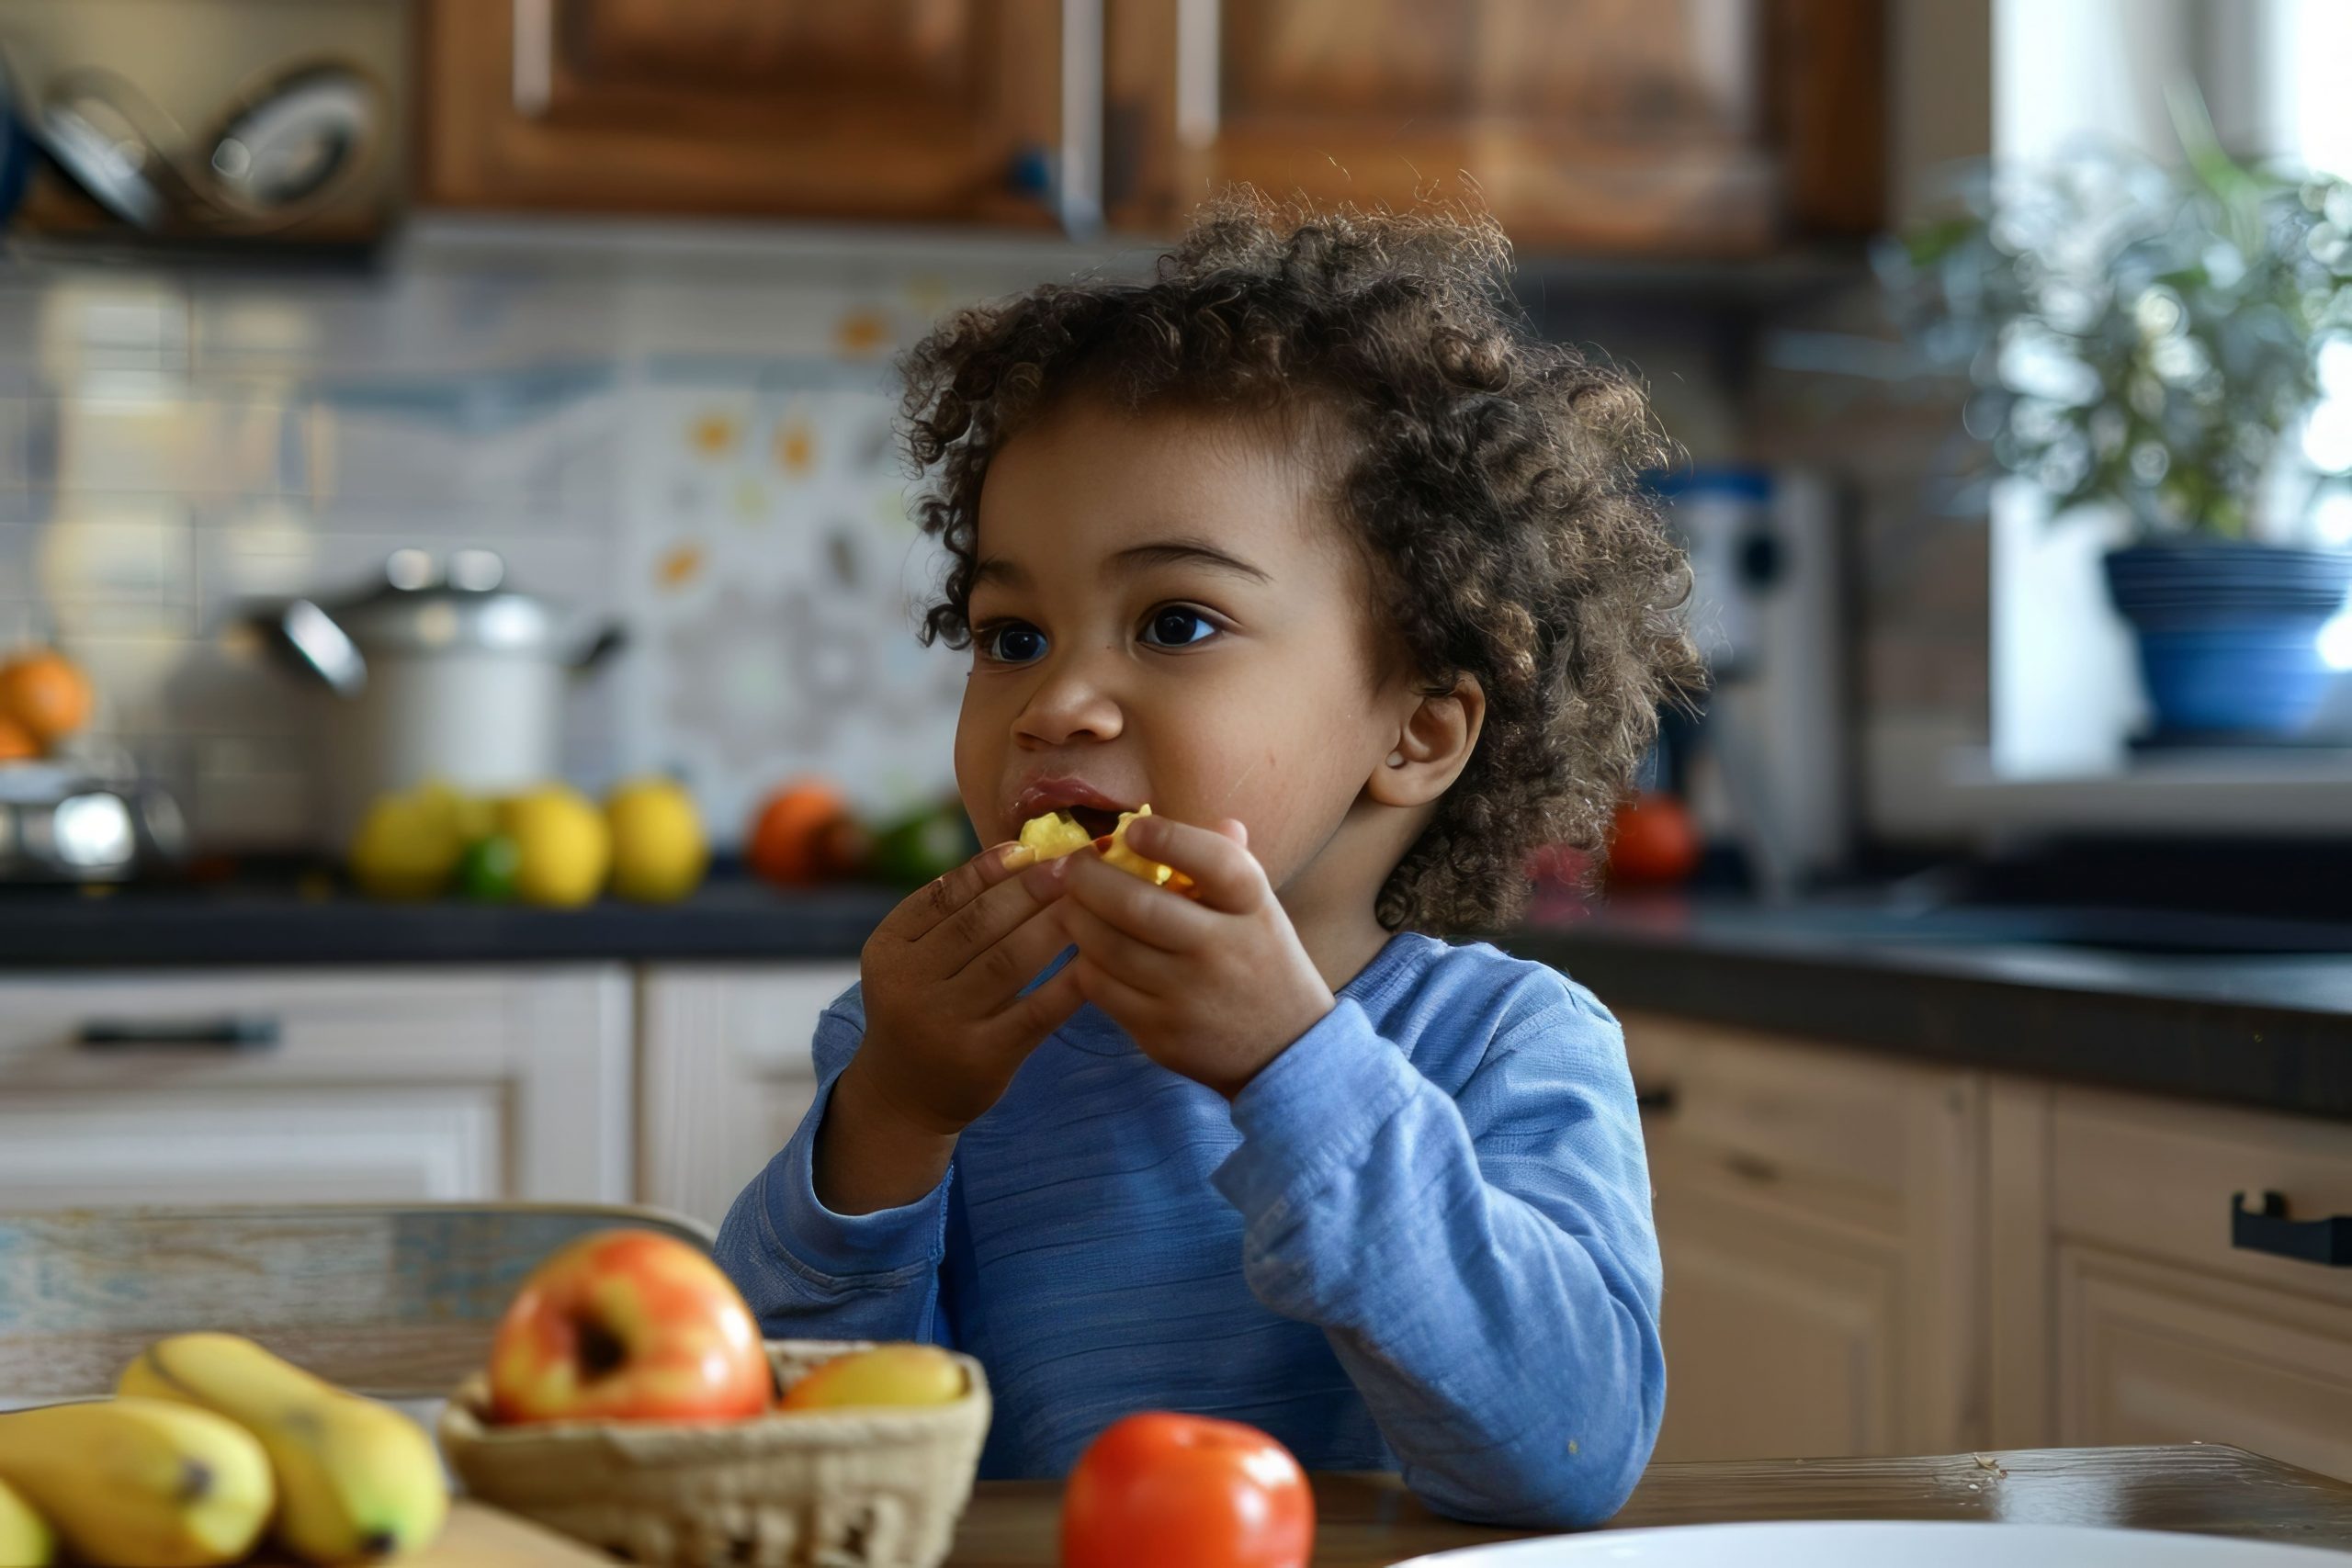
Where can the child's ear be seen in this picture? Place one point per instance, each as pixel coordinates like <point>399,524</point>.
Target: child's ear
<point>1433,746</point>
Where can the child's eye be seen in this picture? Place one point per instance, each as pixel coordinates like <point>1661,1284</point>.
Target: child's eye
<point>1009,642</point>
<point>1173,625</point>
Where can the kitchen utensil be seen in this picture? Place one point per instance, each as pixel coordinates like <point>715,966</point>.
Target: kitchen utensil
<point>1848,1543</point>
<point>289,145</point>
<point>104,149</point>
<point>59,824</point>
<point>293,143</point>
<point>443,673</point>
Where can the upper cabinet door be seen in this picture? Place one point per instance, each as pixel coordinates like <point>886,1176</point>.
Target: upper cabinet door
<point>929,109</point>
<point>1692,126</point>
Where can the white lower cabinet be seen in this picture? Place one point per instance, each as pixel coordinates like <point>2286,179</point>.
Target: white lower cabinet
<point>724,1073</point>
<point>316,1086</point>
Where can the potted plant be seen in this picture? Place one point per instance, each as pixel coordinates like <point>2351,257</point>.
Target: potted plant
<point>2154,338</point>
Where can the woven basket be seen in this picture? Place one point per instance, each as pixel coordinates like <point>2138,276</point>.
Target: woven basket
<point>874,1488</point>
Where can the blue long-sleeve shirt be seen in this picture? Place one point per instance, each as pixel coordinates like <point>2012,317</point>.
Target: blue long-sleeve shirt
<point>1420,1239</point>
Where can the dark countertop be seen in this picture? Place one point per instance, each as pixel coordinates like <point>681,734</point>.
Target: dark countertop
<point>2256,1028</point>
<point>2262,1029</point>
<point>280,923</point>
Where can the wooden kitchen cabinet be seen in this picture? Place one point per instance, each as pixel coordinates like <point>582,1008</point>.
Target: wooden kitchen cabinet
<point>1712,127</point>
<point>2123,1312</point>
<point>1819,1213</point>
<point>376,1085</point>
<point>1642,126</point>
<point>928,109</point>
<point>726,1074</point>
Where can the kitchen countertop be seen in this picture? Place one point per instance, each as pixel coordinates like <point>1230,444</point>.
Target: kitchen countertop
<point>2018,991</point>
<point>1370,1521</point>
<point>280,922</point>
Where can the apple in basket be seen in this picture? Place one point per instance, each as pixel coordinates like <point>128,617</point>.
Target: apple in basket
<point>629,1325</point>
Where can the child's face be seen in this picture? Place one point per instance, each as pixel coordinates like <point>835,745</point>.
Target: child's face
<point>1165,613</point>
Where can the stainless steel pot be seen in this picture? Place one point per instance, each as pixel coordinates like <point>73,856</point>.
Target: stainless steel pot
<point>442,674</point>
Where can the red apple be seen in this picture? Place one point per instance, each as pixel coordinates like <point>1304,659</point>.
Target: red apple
<point>629,1325</point>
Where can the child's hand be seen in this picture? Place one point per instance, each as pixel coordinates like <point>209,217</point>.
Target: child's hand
<point>945,1025</point>
<point>1213,986</point>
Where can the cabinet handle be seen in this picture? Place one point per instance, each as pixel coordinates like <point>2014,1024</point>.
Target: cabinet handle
<point>1655,1101</point>
<point>1198,67</point>
<point>1078,178</point>
<point>2327,1243</point>
<point>533,80</point>
<point>230,1031</point>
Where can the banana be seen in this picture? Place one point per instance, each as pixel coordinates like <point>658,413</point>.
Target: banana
<point>140,1484</point>
<point>26,1539</point>
<point>356,1480</point>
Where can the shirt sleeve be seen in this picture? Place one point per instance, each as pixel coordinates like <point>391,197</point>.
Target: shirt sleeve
<point>1484,1263</point>
<point>809,1273</point>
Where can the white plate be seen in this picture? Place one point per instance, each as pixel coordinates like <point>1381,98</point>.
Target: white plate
<point>1864,1545</point>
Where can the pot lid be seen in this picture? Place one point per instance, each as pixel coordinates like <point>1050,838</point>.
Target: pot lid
<point>422,607</point>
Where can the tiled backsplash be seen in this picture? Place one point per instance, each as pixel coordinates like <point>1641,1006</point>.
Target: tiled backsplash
<point>698,445</point>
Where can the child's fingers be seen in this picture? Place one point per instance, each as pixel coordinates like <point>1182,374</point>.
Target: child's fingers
<point>921,911</point>
<point>1002,903</point>
<point>1028,1019</point>
<point>1019,956</point>
<point>1138,964</point>
<point>1225,874</point>
<point>1107,992</point>
<point>1148,914</point>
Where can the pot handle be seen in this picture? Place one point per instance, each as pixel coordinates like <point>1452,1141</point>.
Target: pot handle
<point>323,647</point>
<point>608,640</point>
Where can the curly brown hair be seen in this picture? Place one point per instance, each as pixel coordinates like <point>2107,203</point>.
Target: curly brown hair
<point>1493,480</point>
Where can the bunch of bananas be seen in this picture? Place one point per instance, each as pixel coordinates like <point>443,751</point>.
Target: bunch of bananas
<point>210,1441</point>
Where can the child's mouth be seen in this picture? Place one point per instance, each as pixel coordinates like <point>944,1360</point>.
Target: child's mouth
<point>1093,818</point>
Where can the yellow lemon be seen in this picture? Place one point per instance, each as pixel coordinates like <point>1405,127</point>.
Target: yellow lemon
<point>659,853</point>
<point>470,817</point>
<point>565,847</point>
<point>887,1374</point>
<point>405,849</point>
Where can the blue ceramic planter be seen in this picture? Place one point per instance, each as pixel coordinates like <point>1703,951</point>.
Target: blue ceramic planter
<point>2229,633</point>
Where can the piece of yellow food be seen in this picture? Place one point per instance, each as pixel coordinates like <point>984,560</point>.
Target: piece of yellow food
<point>887,1374</point>
<point>1054,835</point>
<point>1058,833</point>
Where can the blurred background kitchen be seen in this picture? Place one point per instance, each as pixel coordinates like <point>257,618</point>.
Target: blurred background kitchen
<point>461,712</point>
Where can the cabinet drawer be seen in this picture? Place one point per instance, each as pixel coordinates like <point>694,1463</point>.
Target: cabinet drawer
<point>1776,1109</point>
<point>252,1146</point>
<point>308,1025</point>
<point>351,1084</point>
<point>2152,1353</point>
<point>2153,1178</point>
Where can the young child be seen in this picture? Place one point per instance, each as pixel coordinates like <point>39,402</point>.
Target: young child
<point>1310,546</point>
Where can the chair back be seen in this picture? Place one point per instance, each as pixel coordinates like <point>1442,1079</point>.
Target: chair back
<point>396,1302</point>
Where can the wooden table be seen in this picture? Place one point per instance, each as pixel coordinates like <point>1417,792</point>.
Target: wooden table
<point>1368,1521</point>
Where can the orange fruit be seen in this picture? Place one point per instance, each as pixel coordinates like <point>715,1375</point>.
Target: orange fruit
<point>803,835</point>
<point>47,693</point>
<point>17,744</point>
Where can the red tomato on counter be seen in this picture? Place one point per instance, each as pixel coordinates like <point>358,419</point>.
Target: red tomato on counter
<point>1655,841</point>
<point>1166,1491</point>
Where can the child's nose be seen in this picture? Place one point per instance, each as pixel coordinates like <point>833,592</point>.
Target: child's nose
<point>1067,707</point>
